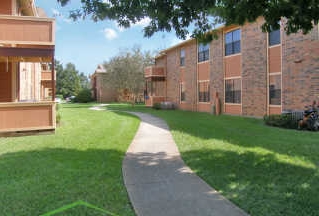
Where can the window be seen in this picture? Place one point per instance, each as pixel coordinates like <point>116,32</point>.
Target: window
<point>47,93</point>
<point>203,91</point>
<point>182,57</point>
<point>275,89</point>
<point>274,37</point>
<point>183,92</point>
<point>203,52</point>
<point>44,67</point>
<point>233,91</point>
<point>232,42</point>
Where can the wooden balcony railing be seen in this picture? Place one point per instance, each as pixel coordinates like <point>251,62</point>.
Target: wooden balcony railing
<point>154,71</point>
<point>27,116</point>
<point>46,75</point>
<point>26,30</point>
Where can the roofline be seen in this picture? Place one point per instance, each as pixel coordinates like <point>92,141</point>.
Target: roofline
<point>163,52</point>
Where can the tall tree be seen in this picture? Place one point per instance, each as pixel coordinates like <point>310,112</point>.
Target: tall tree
<point>84,81</point>
<point>67,81</point>
<point>126,71</point>
<point>166,15</point>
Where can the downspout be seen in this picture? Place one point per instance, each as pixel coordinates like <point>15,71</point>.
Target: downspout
<point>33,81</point>
<point>267,77</point>
<point>196,78</point>
<point>18,81</point>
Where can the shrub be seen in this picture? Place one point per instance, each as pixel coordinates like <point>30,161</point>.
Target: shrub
<point>84,96</point>
<point>281,120</point>
<point>157,106</point>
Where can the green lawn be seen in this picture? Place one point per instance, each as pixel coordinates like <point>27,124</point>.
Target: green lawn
<point>266,171</point>
<point>82,161</point>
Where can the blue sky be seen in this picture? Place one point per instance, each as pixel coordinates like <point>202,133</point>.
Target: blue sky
<point>87,44</point>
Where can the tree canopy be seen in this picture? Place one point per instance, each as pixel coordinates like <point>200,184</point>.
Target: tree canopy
<point>125,71</point>
<point>68,80</point>
<point>178,15</point>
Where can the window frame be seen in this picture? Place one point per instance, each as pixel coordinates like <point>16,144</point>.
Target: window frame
<point>203,52</point>
<point>276,92</point>
<point>274,34</point>
<point>205,98</point>
<point>182,92</point>
<point>235,45</point>
<point>232,94</point>
<point>182,57</point>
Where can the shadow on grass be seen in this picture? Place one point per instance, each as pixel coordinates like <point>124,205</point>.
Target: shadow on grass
<point>260,184</point>
<point>37,182</point>
<point>240,131</point>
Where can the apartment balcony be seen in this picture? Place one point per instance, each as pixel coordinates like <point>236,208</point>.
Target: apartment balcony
<point>27,116</point>
<point>154,71</point>
<point>25,30</point>
<point>47,75</point>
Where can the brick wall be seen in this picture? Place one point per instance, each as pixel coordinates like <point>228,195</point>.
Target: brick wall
<point>190,75</point>
<point>104,93</point>
<point>254,69</point>
<point>300,75</point>
<point>172,76</point>
<point>217,69</point>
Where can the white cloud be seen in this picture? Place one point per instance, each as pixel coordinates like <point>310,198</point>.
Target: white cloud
<point>143,22</point>
<point>109,33</point>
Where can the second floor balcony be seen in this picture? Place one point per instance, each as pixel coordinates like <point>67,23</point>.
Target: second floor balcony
<point>154,71</point>
<point>25,30</point>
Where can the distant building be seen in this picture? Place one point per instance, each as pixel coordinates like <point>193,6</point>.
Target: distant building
<point>100,91</point>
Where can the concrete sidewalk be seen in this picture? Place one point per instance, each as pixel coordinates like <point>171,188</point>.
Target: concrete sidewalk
<point>160,184</point>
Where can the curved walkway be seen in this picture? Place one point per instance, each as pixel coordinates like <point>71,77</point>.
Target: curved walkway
<point>160,184</point>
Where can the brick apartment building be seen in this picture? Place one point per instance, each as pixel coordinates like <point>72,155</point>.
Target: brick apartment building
<point>100,91</point>
<point>246,71</point>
